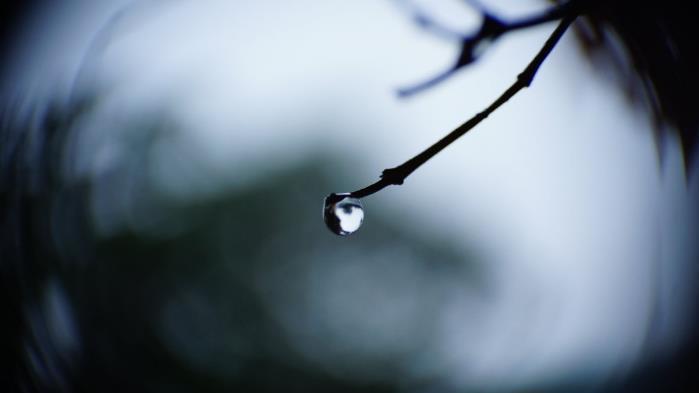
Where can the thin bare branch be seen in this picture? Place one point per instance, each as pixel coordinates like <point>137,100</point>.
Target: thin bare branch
<point>398,174</point>
<point>491,28</point>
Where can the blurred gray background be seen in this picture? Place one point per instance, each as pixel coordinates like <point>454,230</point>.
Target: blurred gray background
<point>164,165</point>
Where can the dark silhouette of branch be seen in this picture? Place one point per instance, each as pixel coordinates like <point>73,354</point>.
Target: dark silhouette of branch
<point>398,174</point>
<point>472,46</point>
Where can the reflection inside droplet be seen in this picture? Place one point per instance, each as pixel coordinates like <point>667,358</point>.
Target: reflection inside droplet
<point>343,214</point>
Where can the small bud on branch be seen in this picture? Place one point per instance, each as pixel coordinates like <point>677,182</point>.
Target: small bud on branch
<point>567,12</point>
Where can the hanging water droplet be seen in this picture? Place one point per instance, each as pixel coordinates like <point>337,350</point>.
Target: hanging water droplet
<point>343,214</point>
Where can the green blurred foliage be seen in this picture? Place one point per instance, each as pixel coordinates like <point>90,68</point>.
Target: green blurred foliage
<point>241,289</point>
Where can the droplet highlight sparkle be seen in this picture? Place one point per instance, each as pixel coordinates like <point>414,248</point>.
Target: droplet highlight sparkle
<point>343,214</point>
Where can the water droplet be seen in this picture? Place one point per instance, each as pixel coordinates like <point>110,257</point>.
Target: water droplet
<point>343,214</point>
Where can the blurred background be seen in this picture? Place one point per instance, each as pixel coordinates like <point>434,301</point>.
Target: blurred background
<point>163,166</point>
